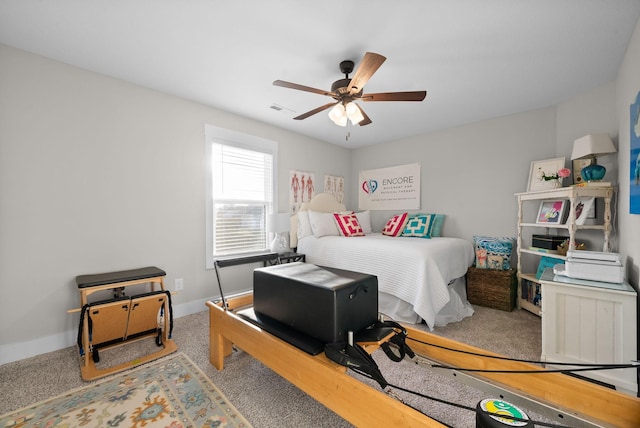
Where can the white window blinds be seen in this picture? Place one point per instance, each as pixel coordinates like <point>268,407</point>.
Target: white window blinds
<point>242,192</point>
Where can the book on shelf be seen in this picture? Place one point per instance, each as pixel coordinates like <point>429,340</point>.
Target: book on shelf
<point>593,184</point>
<point>543,250</point>
<point>530,291</point>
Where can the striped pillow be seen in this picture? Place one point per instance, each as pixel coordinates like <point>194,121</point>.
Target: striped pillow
<point>395,225</point>
<point>348,224</point>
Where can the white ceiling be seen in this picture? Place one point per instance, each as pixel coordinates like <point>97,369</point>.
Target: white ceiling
<point>476,59</point>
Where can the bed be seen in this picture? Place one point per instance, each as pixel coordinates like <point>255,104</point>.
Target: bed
<point>418,279</point>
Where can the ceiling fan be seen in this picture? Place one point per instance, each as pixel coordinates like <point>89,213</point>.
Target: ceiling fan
<point>345,91</point>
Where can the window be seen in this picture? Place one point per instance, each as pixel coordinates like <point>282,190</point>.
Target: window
<point>240,192</point>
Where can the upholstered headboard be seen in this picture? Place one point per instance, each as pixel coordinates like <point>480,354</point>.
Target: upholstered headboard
<point>322,202</point>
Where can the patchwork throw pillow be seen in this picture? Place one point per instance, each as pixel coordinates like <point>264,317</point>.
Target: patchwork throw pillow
<point>323,224</point>
<point>493,253</point>
<point>348,224</point>
<point>419,226</point>
<point>395,225</point>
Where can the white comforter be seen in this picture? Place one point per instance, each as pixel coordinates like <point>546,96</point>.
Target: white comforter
<point>415,270</point>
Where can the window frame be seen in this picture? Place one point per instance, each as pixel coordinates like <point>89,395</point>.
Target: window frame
<point>214,134</point>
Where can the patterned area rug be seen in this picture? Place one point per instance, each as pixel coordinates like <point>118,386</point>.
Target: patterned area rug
<point>172,393</point>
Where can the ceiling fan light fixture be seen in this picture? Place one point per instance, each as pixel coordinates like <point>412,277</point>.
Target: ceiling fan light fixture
<point>338,115</point>
<point>353,113</point>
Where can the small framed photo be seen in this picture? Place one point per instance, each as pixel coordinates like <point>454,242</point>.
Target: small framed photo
<point>547,262</point>
<point>551,212</point>
<point>577,165</point>
<point>585,208</point>
<point>548,167</point>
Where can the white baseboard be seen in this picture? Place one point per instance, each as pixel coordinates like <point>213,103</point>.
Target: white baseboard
<point>17,351</point>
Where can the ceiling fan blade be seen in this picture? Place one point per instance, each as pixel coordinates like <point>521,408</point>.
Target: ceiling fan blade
<point>314,111</point>
<point>369,65</point>
<point>395,96</point>
<point>302,88</point>
<point>366,119</point>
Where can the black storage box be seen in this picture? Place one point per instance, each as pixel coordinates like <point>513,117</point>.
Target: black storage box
<point>324,303</point>
<point>548,242</point>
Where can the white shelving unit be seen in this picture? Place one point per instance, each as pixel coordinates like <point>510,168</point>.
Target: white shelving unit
<point>572,194</point>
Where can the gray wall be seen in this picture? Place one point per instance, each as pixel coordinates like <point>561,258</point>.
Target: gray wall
<point>98,175</point>
<point>470,173</point>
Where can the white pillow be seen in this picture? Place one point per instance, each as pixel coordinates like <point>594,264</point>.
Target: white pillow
<point>304,227</point>
<point>364,218</point>
<point>323,224</point>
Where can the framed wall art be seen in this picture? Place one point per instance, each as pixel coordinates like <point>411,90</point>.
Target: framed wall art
<point>585,208</point>
<point>634,156</point>
<point>545,168</point>
<point>335,185</point>
<point>301,189</point>
<point>551,212</point>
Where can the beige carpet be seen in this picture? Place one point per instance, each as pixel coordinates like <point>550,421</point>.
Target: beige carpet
<point>267,400</point>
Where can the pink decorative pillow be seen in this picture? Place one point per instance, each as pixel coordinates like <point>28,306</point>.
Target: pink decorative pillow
<point>348,224</point>
<point>395,225</point>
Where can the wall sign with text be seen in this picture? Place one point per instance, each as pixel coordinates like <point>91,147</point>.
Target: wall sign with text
<point>392,188</point>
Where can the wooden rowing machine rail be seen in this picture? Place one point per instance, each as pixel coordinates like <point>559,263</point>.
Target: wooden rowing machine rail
<point>353,400</point>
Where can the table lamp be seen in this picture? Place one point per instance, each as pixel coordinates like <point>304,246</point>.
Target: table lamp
<point>588,147</point>
<point>279,224</point>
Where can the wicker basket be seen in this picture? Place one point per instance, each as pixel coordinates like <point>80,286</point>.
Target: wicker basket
<point>492,288</point>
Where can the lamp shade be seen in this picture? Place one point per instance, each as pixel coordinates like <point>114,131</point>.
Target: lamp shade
<point>592,145</point>
<point>279,222</point>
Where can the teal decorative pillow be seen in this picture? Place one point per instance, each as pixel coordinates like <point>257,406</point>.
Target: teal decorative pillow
<point>419,226</point>
<point>493,253</point>
<point>436,227</point>
<point>436,223</point>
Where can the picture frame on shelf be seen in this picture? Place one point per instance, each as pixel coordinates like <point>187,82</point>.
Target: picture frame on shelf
<point>547,262</point>
<point>552,212</point>
<point>547,167</point>
<point>585,208</point>
<point>576,166</point>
